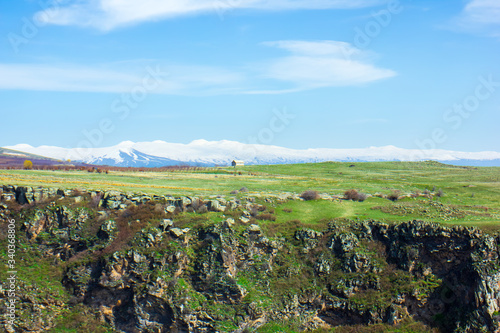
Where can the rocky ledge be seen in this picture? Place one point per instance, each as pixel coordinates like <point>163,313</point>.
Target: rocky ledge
<point>132,263</point>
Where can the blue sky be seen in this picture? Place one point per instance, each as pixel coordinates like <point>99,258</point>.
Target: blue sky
<point>292,73</point>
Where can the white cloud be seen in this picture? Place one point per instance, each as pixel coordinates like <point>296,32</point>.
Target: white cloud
<point>483,11</point>
<point>62,78</point>
<point>317,48</point>
<point>480,16</point>
<point>309,65</point>
<point>109,14</point>
<point>178,79</point>
<point>323,64</point>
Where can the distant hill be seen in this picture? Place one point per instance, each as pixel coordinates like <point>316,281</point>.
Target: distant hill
<point>211,153</point>
<point>16,158</point>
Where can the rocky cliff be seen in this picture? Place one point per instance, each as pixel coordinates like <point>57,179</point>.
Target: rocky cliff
<point>115,262</point>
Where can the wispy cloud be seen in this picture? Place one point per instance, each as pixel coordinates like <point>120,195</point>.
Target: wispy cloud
<point>309,65</point>
<point>175,79</point>
<point>480,16</point>
<point>319,64</point>
<point>109,14</point>
<point>63,78</point>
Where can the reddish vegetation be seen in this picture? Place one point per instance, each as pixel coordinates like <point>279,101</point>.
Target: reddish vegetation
<point>131,221</point>
<point>310,195</point>
<point>354,195</point>
<point>100,169</point>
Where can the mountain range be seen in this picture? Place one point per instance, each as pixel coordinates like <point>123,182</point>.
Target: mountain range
<point>211,153</point>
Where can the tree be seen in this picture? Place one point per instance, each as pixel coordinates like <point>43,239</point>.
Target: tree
<point>28,165</point>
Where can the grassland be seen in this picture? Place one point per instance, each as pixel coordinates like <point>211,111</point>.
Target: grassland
<point>426,191</point>
<point>471,196</point>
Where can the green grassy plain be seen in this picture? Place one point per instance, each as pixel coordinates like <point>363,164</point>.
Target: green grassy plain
<point>454,196</point>
<point>471,195</point>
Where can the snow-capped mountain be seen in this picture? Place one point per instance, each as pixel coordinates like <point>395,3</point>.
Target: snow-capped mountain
<point>210,153</point>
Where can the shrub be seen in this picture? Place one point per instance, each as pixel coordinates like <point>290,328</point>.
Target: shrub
<point>254,211</point>
<point>95,200</point>
<point>159,209</point>
<point>202,209</point>
<point>439,193</point>
<point>261,208</point>
<point>243,189</point>
<point>351,195</point>
<point>28,165</point>
<point>362,197</point>
<point>266,216</point>
<point>287,210</point>
<point>394,196</point>
<point>288,228</point>
<point>355,195</point>
<point>310,195</point>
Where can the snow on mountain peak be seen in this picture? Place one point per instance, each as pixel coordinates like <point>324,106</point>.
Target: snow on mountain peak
<point>21,146</point>
<point>199,142</point>
<point>125,144</point>
<point>204,152</point>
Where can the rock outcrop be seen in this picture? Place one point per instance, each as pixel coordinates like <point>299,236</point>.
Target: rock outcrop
<point>138,267</point>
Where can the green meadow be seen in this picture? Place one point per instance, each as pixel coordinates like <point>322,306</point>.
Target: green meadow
<point>428,191</point>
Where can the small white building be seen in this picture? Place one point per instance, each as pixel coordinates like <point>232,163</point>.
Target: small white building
<point>236,163</point>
